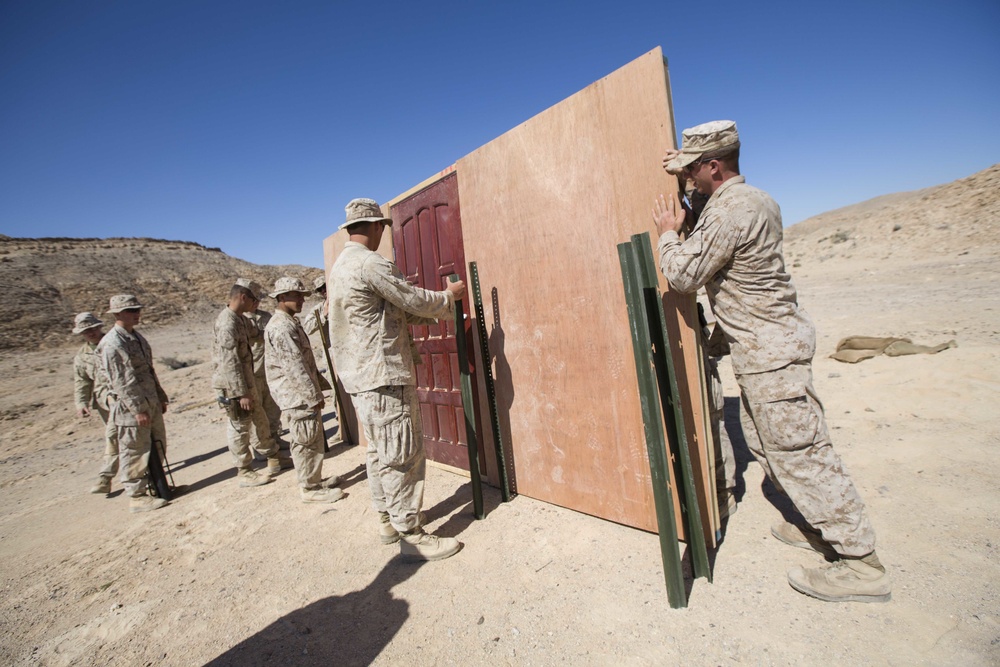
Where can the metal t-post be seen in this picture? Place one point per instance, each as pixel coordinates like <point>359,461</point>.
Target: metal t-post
<point>491,392</point>
<point>467,407</point>
<point>653,426</point>
<point>670,402</point>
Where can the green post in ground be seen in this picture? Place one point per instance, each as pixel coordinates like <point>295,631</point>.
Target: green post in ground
<point>491,392</point>
<point>670,401</point>
<point>652,425</point>
<point>467,407</point>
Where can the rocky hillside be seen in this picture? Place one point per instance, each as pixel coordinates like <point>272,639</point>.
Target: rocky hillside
<point>47,281</point>
<point>940,223</point>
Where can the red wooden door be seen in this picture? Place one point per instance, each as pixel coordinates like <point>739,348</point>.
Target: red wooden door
<point>427,241</point>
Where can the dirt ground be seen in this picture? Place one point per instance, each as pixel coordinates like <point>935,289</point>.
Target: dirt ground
<point>231,576</point>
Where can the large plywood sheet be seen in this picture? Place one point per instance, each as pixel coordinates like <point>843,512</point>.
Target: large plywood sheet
<point>543,208</point>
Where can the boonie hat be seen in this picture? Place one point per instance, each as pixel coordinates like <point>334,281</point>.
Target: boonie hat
<point>120,302</point>
<point>86,321</point>
<point>715,137</point>
<point>363,210</point>
<point>286,284</point>
<point>319,283</point>
<point>251,285</point>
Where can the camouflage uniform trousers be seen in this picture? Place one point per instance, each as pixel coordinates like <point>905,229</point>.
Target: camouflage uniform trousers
<point>396,460</point>
<point>247,432</point>
<point>110,467</point>
<point>725,460</point>
<point>271,409</point>
<point>785,429</point>
<point>305,430</point>
<point>134,444</point>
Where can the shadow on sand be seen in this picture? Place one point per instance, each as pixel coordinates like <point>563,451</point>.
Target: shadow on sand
<point>354,628</point>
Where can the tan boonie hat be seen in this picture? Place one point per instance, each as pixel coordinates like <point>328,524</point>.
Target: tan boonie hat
<point>120,302</point>
<point>251,285</point>
<point>715,138</point>
<point>285,284</point>
<point>363,210</point>
<point>86,321</point>
<point>319,283</point>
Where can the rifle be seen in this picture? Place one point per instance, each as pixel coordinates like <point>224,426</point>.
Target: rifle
<point>159,470</point>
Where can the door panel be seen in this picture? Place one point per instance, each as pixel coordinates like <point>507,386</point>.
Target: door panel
<point>427,236</point>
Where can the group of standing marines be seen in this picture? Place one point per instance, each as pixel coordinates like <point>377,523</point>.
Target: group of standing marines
<point>265,370</point>
<point>732,247</point>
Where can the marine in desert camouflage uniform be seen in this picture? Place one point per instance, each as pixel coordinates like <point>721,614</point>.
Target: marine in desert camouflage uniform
<point>234,383</point>
<point>317,317</point>
<point>715,347</point>
<point>371,308</point>
<point>90,390</point>
<point>294,381</point>
<point>735,251</point>
<point>258,319</point>
<point>137,399</point>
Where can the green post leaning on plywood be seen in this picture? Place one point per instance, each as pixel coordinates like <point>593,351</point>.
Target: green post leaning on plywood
<point>467,407</point>
<point>670,400</point>
<point>491,391</point>
<point>653,428</point>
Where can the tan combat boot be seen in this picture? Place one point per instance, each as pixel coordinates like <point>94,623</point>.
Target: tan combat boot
<point>145,504</point>
<point>387,533</point>
<point>331,482</point>
<point>803,538</point>
<point>847,580</point>
<point>418,545</point>
<point>321,495</point>
<point>103,486</point>
<point>275,464</point>
<point>249,477</point>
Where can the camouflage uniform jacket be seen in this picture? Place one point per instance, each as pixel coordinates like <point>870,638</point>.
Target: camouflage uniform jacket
<point>89,384</point>
<point>127,362</point>
<point>735,252</point>
<point>258,321</point>
<point>290,364</point>
<point>233,358</point>
<point>371,306</point>
<point>315,319</point>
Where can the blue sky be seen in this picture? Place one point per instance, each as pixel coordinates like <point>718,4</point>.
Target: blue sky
<point>248,125</point>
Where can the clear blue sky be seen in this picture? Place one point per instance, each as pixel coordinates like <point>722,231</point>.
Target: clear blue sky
<point>248,125</point>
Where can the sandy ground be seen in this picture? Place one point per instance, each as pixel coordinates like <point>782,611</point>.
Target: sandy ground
<point>252,576</point>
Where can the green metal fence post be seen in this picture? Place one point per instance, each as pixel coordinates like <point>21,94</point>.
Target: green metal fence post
<point>670,400</point>
<point>491,393</point>
<point>652,425</point>
<point>467,407</point>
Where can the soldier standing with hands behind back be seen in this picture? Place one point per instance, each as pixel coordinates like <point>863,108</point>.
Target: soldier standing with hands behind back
<point>258,320</point>
<point>137,399</point>
<point>735,251</point>
<point>90,387</point>
<point>294,381</point>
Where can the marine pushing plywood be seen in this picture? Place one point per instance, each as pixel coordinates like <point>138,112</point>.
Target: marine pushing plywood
<point>543,208</point>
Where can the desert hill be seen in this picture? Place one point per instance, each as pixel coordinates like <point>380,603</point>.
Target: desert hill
<point>955,219</point>
<point>48,280</point>
<point>920,264</point>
